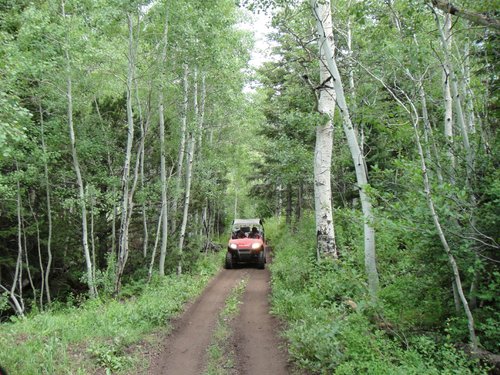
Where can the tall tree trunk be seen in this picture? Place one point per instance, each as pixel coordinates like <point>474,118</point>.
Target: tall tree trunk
<point>442,237</point>
<point>189,171</point>
<point>49,208</point>
<point>163,168</point>
<point>18,304</point>
<point>153,253</point>
<point>429,139</point>
<point>76,167</point>
<point>40,259</point>
<point>469,156</point>
<point>326,45</point>
<point>123,242</point>
<point>182,146</point>
<point>325,232</point>
<point>448,101</point>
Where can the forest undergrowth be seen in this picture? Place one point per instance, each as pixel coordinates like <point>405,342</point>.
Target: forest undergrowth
<point>83,336</point>
<point>331,325</point>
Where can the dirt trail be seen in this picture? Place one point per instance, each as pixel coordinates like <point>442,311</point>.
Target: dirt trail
<point>254,340</point>
<point>184,350</point>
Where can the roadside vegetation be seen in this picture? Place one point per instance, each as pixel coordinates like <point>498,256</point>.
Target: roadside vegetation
<point>331,325</point>
<point>80,337</point>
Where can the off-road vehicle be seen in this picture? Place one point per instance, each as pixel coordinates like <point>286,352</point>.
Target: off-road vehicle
<point>247,243</point>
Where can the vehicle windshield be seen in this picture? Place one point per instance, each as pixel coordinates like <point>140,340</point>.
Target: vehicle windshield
<point>247,230</point>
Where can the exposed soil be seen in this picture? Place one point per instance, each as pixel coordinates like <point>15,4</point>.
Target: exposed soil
<point>184,350</point>
<point>257,348</point>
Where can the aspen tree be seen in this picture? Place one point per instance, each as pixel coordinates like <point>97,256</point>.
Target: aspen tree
<point>49,207</point>
<point>163,172</point>
<point>182,144</point>
<point>324,139</point>
<point>76,162</point>
<point>442,237</point>
<point>350,133</point>
<point>124,226</point>
<point>189,171</point>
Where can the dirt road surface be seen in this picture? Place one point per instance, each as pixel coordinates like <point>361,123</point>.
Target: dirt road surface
<point>256,344</point>
<point>257,348</point>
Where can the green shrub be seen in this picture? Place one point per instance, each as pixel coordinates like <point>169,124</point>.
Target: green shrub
<point>331,325</point>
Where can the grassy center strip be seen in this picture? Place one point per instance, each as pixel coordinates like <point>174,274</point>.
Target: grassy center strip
<point>221,358</point>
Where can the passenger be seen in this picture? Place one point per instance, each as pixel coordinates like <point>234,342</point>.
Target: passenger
<point>254,233</point>
<point>240,234</point>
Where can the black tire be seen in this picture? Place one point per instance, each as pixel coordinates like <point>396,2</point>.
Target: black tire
<point>261,264</point>
<point>229,261</point>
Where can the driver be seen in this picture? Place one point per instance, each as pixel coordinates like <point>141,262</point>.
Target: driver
<point>254,233</point>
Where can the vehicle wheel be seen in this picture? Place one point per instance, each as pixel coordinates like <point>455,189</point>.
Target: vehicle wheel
<point>229,261</point>
<point>262,261</point>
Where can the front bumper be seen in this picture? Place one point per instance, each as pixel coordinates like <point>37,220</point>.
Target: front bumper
<point>245,255</point>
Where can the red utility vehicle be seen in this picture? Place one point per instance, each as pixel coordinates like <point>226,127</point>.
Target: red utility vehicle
<point>247,243</point>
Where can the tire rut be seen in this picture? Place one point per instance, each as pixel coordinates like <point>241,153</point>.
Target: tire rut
<point>257,347</point>
<point>184,351</point>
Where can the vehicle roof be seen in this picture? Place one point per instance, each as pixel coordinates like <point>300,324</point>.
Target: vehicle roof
<point>247,222</point>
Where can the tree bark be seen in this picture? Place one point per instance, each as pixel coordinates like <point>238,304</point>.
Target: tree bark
<point>357,156</point>
<point>189,170</point>
<point>442,237</point>
<point>123,242</point>
<point>163,167</point>
<point>476,18</point>
<point>448,101</point>
<point>49,208</point>
<point>182,146</point>
<point>18,304</point>
<point>76,166</point>
<point>325,233</point>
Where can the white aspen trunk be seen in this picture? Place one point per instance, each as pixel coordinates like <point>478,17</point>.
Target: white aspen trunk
<point>163,168</point>
<point>448,101</point>
<point>189,170</point>
<point>187,195</point>
<point>76,166</point>
<point>18,304</point>
<point>182,145</point>
<point>357,156</point>
<point>444,242</point>
<point>40,259</point>
<point>49,209</point>
<point>27,261</point>
<point>201,118</point>
<point>123,242</point>
<point>141,158</point>
<point>113,226</point>
<point>456,99</point>
<point>153,253</point>
<point>325,233</point>
<point>468,93</point>
<point>164,203</point>
<point>429,139</point>
<point>92,237</point>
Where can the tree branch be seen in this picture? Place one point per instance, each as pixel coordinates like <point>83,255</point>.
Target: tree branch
<point>476,18</point>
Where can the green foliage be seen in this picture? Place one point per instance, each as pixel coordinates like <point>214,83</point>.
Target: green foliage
<point>331,326</point>
<point>53,341</point>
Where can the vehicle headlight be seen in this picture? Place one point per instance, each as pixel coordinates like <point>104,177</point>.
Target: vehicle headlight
<point>233,246</point>
<point>256,245</point>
